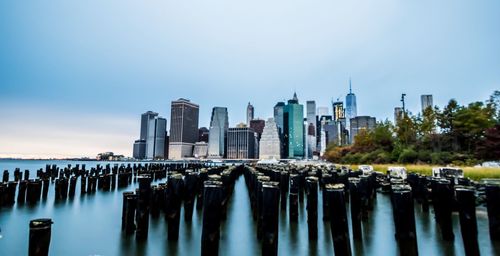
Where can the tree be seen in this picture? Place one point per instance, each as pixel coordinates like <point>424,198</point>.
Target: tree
<point>488,148</point>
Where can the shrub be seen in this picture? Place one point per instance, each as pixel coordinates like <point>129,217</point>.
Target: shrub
<point>408,156</point>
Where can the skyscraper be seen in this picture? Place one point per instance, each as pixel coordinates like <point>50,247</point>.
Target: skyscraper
<point>279,119</point>
<point>322,111</point>
<point>338,110</point>
<point>218,130</point>
<point>249,114</point>
<point>351,110</point>
<point>155,143</point>
<point>183,128</point>
<point>270,144</point>
<point>258,126</point>
<point>361,123</point>
<point>140,145</point>
<point>311,121</point>
<point>240,143</point>
<point>294,128</point>
<point>426,101</point>
<point>203,134</point>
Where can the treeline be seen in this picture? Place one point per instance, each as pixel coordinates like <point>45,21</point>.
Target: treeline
<point>461,135</point>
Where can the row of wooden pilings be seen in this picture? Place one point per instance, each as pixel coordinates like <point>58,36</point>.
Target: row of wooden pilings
<point>211,187</point>
<point>65,180</point>
<point>100,178</point>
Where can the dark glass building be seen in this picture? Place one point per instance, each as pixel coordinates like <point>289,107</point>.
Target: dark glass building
<point>183,128</point>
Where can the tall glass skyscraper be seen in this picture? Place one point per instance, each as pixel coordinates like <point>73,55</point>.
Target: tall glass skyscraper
<point>183,128</point>
<point>294,128</point>
<point>218,131</point>
<point>351,110</point>
<point>279,109</point>
<point>155,143</point>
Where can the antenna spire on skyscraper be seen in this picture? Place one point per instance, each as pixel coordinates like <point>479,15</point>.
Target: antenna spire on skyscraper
<point>350,85</point>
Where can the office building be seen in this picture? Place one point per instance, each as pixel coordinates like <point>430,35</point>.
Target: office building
<point>351,110</point>
<point>293,117</point>
<point>361,123</point>
<point>249,114</point>
<point>139,149</point>
<point>183,128</point>
<point>218,129</point>
<point>203,134</point>
<point>338,110</point>
<point>155,142</point>
<point>240,143</point>
<point>426,101</point>
<point>258,126</point>
<point>270,144</point>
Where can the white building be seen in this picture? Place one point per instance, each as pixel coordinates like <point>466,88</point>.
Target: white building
<point>270,143</point>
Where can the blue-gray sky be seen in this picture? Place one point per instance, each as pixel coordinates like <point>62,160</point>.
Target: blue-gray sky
<point>76,75</point>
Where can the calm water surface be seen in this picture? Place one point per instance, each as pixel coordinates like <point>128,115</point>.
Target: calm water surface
<point>91,225</point>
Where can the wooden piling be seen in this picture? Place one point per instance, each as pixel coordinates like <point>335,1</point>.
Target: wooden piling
<point>404,219</point>
<point>355,203</point>
<point>213,195</point>
<point>493,206</point>
<point>39,237</point>
<point>312,207</point>
<point>468,222</point>
<point>271,197</point>
<point>142,215</point>
<point>175,190</point>
<point>338,219</point>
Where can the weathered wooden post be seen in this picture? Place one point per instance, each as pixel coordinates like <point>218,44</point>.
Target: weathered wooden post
<point>444,196</point>
<point>39,238</point>
<point>21,195</point>
<point>175,190</point>
<point>312,206</point>
<point>338,219</point>
<point>191,184</point>
<point>271,197</point>
<point>294,197</point>
<point>468,223</point>
<point>213,195</point>
<point>125,207</point>
<point>130,212</point>
<point>404,219</point>
<point>493,205</point>
<point>143,198</point>
<point>356,214</point>
<point>284,185</point>
<point>72,186</point>
<point>5,177</point>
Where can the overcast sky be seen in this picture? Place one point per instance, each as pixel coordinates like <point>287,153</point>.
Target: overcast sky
<point>76,75</point>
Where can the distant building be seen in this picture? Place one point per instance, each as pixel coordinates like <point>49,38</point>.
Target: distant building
<point>240,143</point>
<point>183,128</point>
<point>320,131</point>
<point>338,110</point>
<point>109,156</point>
<point>426,101</point>
<point>294,128</point>
<point>322,111</point>
<point>398,114</point>
<point>361,123</point>
<point>249,114</point>
<point>200,149</point>
<point>203,134</point>
<point>258,126</point>
<point>279,109</point>
<point>310,138</point>
<point>311,121</point>
<point>155,143</point>
<point>218,129</point>
<point>270,144</point>
<point>139,149</point>
<point>151,143</point>
<point>335,132</point>
<point>351,110</point>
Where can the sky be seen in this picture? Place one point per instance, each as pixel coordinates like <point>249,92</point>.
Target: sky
<point>76,75</point>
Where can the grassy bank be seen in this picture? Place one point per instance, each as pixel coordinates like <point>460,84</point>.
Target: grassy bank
<point>475,173</point>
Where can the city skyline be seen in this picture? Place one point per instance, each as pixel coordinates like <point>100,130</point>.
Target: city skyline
<point>73,80</point>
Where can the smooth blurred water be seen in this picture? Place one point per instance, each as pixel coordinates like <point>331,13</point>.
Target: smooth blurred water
<point>91,225</point>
